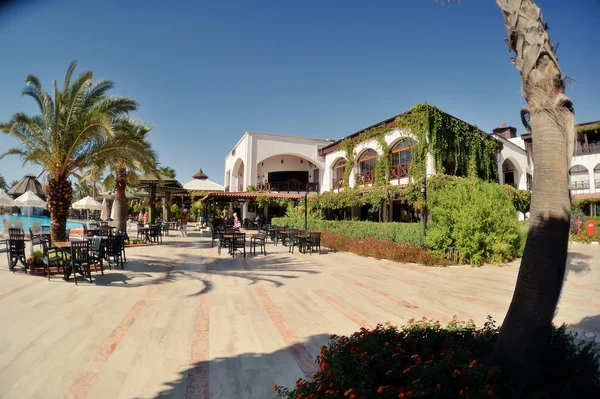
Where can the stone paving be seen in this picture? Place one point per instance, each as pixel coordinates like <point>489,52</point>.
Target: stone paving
<point>182,321</point>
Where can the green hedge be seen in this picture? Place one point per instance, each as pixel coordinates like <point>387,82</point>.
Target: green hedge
<point>399,232</point>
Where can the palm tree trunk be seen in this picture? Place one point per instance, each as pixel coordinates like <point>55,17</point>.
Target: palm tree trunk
<point>120,200</point>
<point>527,326</point>
<point>59,193</point>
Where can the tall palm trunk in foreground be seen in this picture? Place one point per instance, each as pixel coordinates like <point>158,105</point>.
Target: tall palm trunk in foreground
<point>120,200</point>
<point>526,329</point>
<point>59,193</point>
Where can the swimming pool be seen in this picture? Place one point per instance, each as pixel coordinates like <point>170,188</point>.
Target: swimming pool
<point>27,221</point>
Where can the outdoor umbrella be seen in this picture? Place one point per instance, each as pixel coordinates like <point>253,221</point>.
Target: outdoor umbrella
<point>29,199</point>
<point>105,210</point>
<point>87,203</point>
<point>112,211</point>
<point>5,199</point>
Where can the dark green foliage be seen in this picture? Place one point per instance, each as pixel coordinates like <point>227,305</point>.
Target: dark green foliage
<point>477,218</point>
<point>423,359</point>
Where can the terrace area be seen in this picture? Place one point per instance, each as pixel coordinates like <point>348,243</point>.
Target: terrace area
<point>183,321</point>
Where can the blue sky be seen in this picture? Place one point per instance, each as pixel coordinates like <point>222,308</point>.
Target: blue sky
<point>205,72</point>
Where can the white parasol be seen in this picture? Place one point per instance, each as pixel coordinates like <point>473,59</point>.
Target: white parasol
<point>105,210</point>
<point>87,203</point>
<point>5,199</point>
<point>112,210</point>
<point>29,199</point>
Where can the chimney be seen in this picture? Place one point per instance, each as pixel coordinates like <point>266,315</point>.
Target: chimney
<point>508,132</point>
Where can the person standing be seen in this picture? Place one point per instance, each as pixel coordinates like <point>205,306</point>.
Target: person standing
<point>183,223</point>
<point>236,223</point>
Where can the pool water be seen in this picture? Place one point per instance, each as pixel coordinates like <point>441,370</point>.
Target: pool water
<point>45,221</point>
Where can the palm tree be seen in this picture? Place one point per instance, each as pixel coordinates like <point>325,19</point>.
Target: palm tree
<point>3,185</point>
<point>82,189</point>
<point>123,170</point>
<point>167,171</point>
<point>549,117</point>
<point>75,129</point>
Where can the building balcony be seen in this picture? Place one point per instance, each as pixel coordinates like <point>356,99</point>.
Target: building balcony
<point>337,184</point>
<point>399,171</point>
<point>588,149</point>
<point>291,186</point>
<point>365,178</point>
<point>581,185</point>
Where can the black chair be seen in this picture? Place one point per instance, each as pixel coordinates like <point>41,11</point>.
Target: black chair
<point>97,253</point>
<point>141,234</point>
<point>224,242</point>
<point>51,257</point>
<point>124,238</point>
<point>156,234</point>
<point>16,250</point>
<point>314,243</point>
<point>34,240</point>
<point>14,230</point>
<point>80,259</point>
<point>260,239</point>
<point>112,249</point>
<point>292,240</point>
<point>215,235</point>
<point>238,243</point>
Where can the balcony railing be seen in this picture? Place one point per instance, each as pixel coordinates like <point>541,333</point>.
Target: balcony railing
<point>365,178</point>
<point>400,171</point>
<point>588,149</point>
<point>337,184</point>
<point>289,186</point>
<point>580,185</point>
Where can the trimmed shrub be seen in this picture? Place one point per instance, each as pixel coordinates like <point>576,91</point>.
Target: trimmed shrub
<point>423,359</point>
<point>477,218</point>
<point>411,233</point>
<point>381,249</point>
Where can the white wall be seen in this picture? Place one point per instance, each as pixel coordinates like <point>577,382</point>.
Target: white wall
<point>514,150</point>
<point>590,162</point>
<point>237,154</point>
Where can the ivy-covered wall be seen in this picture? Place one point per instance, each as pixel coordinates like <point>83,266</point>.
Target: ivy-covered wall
<point>437,133</point>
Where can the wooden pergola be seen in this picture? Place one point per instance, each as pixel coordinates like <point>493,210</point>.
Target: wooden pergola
<point>159,184</point>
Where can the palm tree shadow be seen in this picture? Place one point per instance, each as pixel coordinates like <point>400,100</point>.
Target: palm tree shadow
<point>248,375</point>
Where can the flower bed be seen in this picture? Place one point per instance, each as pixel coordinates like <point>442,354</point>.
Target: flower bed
<point>422,359</point>
<point>380,249</point>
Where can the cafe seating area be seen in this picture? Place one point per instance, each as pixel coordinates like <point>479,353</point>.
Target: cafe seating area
<point>302,240</point>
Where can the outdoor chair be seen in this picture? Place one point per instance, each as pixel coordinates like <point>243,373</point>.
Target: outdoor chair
<point>14,230</point>
<point>141,234</point>
<point>260,240</point>
<point>165,229</point>
<point>51,257</point>
<point>314,243</point>
<point>19,224</point>
<point>292,240</point>
<point>80,259</point>
<point>223,241</point>
<point>97,253</point>
<point>285,238</point>
<point>124,237</point>
<point>7,223</point>
<point>238,243</point>
<point>68,233</point>
<point>214,236</point>
<point>33,241</point>
<point>16,250</point>
<point>276,237</point>
<point>156,234</point>
<point>112,249</point>
<point>36,226</point>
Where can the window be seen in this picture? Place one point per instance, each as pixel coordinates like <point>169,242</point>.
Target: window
<point>579,179</point>
<point>366,162</point>
<point>338,173</point>
<point>400,158</point>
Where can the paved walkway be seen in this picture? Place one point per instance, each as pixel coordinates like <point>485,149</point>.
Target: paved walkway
<point>182,321</point>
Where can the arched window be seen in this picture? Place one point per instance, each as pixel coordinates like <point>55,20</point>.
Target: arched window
<point>597,175</point>
<point>400,158</point>
<point>366,167</point>
<point>338,173</point>
<point>578,176</point>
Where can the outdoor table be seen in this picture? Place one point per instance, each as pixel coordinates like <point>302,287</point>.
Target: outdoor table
<point>146,231</point>
<point>302,238</point>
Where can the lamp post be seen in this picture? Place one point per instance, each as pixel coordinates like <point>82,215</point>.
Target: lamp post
<point>306,211</point>
<point>424,213</point>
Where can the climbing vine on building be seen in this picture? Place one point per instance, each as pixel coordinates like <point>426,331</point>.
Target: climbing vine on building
<point>457,148</point>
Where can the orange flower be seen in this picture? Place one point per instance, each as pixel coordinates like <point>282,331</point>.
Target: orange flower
<point>380,389</point>
<point>348,392</point>
<point>387,344</point>
<point>461,392</point>
<point>438,386</point>
<point>422,393</point>
<point>274,387</point>
<point>401,395</point>
<point>409,394</point>
<point>353,396</point>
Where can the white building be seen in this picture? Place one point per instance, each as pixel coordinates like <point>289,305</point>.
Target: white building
<point>290,166</point>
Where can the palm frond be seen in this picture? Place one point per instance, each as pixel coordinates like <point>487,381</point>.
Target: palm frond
<point>69,74</point>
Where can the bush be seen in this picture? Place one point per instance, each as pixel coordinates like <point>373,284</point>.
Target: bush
<point>380,249</point>
<point>411,233</point>
<point>477,218</point>
<point>422,359</point>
